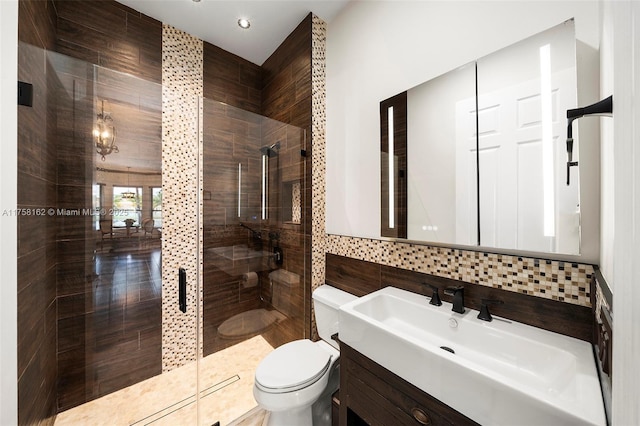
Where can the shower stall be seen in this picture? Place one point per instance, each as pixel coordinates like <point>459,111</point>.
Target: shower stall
<point>252,203</point>
<point>101,332</point>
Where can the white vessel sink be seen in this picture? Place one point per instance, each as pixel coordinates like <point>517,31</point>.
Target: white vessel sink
<point>498,373</point>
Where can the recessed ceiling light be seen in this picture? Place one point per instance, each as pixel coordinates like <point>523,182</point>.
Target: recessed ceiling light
<point>196,1</point>
<point>244,23</point>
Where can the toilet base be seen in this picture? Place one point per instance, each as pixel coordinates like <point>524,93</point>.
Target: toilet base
<point>298,417</point>
<point>317,414</point>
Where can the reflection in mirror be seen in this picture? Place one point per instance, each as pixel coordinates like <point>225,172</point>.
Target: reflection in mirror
<point>523,93</point>
<point>441,124</point>
<point>393,166</point>
<point>253,238</point>
<point>129,176</point>
<point>109,245</point>
<point>494,178</point>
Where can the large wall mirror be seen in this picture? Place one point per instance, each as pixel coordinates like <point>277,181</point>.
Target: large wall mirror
<point>486,153</point>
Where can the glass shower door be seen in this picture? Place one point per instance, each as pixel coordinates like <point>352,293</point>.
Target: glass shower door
<point>253,191</point>
<point>118,349</point>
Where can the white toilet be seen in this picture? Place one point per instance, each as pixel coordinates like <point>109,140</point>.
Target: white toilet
<point>295,381</point>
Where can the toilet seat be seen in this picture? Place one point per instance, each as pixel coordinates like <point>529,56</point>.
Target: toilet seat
<point>292,367</point>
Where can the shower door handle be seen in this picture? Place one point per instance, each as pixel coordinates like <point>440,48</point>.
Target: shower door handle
<point>182,289</point>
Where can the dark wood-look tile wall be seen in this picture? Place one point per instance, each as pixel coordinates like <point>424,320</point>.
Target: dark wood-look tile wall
<point>360,278</point>
<point>230,79</point>
<point>37,142</point>
<point>73,251</point>
<point>286,90</point>
<point>286,97</point>
<point>280,89</point>
<point>231,137</point>
<point>112,35</point>
<point>92,354</point>
<point>37,23</point>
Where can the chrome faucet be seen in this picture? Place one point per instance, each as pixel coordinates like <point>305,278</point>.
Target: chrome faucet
<point>458,298</point>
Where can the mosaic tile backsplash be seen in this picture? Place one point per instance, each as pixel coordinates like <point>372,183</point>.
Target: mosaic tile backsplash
<point>550,279</point>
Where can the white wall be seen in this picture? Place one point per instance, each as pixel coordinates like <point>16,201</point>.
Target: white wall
<point>8,201</point>
<point>607,199</point>
<point>625,21</point>
<point>378,49</point>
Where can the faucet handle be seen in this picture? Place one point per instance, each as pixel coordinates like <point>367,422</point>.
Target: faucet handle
<point>435,297</point>
<point>450,291</point>
<point>484,314</point>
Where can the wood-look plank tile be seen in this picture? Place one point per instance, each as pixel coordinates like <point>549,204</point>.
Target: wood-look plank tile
<point>298,41</point>
<point>73,382</point>
<point>36,386</point>
<point>354,276</point>
<point>146,33</point>
<point>102,17</point>
<point>31,267</point>
<point>37,23</point>
<point>71,333</point>
<point>299,115</point>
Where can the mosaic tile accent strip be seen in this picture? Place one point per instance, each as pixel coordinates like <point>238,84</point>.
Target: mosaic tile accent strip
<point>318,156</point>
<point>182,81</point>
<point>550,279</point>
<point>601,301</point>
<point>318,143</point>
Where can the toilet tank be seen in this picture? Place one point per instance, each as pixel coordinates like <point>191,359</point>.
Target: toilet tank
<point>326,301</point>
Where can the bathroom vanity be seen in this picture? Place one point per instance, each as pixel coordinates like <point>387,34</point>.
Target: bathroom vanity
<point>405,360</point>
<point>371,394</point>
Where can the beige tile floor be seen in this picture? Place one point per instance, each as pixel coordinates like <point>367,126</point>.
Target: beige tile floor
<point>226,388</point>
<point>255,417</point>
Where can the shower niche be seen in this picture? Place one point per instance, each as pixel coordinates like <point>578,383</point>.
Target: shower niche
<point>292,202</point>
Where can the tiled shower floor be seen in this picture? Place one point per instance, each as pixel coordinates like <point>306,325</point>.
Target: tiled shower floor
<point>169,399</point>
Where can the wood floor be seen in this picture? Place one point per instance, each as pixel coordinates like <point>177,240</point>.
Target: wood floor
<point>120,335</point>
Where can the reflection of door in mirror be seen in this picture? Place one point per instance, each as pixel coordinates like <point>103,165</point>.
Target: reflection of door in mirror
<point>523,92</point>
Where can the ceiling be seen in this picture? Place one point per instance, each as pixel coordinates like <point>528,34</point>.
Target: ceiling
<point>216,21</point>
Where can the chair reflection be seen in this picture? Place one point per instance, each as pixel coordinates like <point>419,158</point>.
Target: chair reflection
<point>106,229</point>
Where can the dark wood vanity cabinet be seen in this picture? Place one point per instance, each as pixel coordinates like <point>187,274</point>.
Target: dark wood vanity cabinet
<point>370,394</point>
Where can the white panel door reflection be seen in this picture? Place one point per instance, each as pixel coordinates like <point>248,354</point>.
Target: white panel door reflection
<point>513,211</point>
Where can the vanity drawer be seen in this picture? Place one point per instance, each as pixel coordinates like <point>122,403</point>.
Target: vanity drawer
<point>379,397</point>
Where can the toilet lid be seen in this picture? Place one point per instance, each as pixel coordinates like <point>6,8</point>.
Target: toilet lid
<point>293,366</point>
